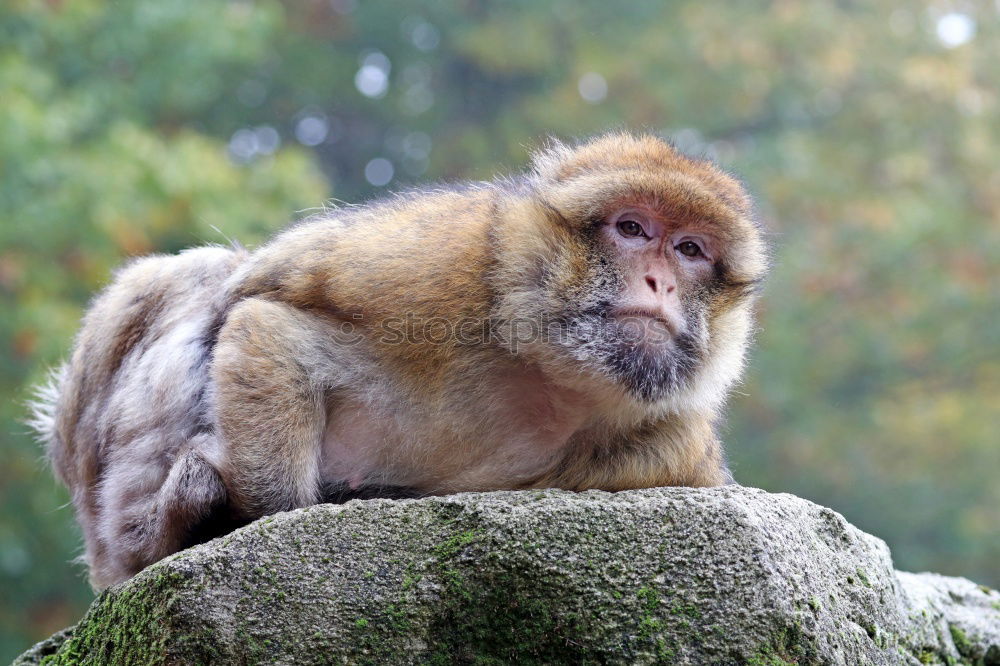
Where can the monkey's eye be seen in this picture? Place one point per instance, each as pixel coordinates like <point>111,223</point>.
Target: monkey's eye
<point>689,249</point>
<point>630,228</point>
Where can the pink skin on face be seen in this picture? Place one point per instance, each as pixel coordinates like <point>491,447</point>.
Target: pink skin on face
<point>658,259</point>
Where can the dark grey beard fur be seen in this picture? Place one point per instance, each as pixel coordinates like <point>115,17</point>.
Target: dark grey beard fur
<point>651,367</point>
<point>653,371</point>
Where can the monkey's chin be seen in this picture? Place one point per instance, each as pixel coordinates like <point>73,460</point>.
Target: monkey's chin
<point>638,354</point>
<point>653,364</point>
<point>650,377</point>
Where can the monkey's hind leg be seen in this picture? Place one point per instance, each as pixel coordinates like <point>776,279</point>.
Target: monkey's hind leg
<point>151,510</point>
<point>271,407</point>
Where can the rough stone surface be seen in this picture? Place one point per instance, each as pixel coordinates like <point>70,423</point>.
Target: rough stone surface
<point>669,575</point>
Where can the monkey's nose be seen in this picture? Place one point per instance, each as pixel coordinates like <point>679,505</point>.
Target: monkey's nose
<point>655,285</point>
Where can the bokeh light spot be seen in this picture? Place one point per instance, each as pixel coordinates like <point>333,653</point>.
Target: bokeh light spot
<point>311,130</point>
<point>955,28</point>
<point>593,88</point>
<point>379,171</point>
<point>371,81</point>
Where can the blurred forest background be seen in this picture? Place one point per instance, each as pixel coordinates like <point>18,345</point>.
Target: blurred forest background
<point>870,133</point>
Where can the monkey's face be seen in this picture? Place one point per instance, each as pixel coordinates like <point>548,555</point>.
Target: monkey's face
<point>643,264</point>
<point>638,309</point>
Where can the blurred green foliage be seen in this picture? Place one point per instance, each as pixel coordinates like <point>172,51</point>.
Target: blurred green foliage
<point>869,131</point>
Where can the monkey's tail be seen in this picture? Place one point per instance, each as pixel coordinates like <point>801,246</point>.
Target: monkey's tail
<point>42,407</point>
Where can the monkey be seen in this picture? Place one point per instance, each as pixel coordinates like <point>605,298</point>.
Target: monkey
<point>575,326</point>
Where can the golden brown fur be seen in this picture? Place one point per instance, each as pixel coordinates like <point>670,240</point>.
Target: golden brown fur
<point>435,342</point>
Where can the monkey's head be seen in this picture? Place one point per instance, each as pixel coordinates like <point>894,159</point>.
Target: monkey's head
<point>637,267</point>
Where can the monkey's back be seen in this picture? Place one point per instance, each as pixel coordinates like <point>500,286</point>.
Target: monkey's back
<point>136,382</point>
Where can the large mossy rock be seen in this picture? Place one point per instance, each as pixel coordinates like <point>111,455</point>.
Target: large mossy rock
<point>669,575</point>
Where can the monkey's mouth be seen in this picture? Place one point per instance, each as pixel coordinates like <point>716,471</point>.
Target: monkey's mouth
<point>645,325</point>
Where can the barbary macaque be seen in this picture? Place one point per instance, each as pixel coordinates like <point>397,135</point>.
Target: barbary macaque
<point>577,326</point>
